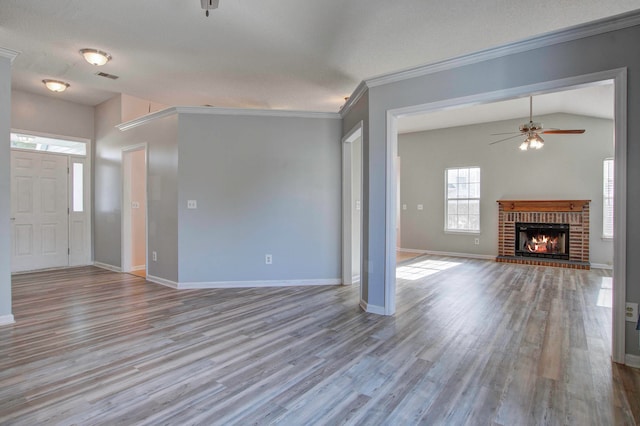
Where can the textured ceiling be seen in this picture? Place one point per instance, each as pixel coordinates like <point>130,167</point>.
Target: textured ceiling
<point>275,54</point>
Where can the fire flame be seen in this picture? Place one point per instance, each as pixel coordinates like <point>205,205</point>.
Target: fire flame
<point>541,244</point>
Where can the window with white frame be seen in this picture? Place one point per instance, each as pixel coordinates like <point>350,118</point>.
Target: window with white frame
<point>463,199</point>
<point>607,198</point>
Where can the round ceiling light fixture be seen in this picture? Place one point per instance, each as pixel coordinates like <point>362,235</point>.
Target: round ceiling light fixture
<point>95,57</point>
<point>55,85</point>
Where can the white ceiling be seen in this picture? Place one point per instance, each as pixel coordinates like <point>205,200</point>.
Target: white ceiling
<point>275,54</point>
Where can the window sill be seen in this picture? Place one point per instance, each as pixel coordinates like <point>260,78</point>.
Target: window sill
<point>461,232</point>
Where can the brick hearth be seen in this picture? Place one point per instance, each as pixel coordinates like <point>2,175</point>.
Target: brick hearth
<point>572,212</point>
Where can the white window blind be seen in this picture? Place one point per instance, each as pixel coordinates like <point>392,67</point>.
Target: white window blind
<point>607,198</point>
<point>462,199</point>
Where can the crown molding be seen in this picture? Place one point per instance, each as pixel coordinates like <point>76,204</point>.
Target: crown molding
<point>354,98</point>
<point>238,112</point>
<point>588,29</point>
<point>127,125</point>
<point>8,53</point>
<point>255,112</point>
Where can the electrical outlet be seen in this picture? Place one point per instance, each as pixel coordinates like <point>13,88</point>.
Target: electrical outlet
<point>420,207</point>
<point>154,256</point>
<point>404,207</point>
<point>268,259</point>
<point>476,241</point>
<point>357,204</point>
<point>631,312</point>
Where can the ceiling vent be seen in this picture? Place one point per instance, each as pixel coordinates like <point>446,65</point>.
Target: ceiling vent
<point>107,75</point>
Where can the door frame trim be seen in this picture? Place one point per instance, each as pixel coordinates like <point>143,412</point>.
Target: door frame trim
<point>125,218</point>
<point>347,196</point>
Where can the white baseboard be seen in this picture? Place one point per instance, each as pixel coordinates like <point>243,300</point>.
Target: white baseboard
<point>632,360</point>
<point>162,281</point>
<point>450,254</point>
<point>269,283</point>
<point>139,268</point>
<point>407,250</point>
<point>242,284</point>
<point>372,309</point>
<point>7,319</point>
<point>107,266</point>
<point>355,279</point>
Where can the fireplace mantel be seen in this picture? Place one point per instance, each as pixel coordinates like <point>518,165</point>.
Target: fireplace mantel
<point>574,213</point>
<point>543,205</point>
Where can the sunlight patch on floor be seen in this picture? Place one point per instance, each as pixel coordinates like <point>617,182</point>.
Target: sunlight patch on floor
<point>605,295</point>
<point>422,269</point>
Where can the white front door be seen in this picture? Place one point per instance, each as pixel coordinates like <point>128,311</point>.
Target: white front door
<point>39,207</point>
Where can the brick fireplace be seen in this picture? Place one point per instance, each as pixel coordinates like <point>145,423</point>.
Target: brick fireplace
<point>572,215</point>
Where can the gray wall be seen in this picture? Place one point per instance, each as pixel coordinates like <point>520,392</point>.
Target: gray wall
<point>45,114</point>
<point>264,185</point>
<point>161,137</point>
<point>567,167</point>
<point>607,51</point>
<point>107,183</point>
<point>5,190</point>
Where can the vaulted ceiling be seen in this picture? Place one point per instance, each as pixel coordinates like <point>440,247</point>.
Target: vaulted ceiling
<point>275,54</point>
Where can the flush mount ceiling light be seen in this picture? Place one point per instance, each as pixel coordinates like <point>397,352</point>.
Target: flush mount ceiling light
<point>95,56</point>
<point>55,85</point>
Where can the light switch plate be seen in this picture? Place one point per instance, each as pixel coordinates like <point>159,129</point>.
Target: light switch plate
<point>135,205</point>
<point>192,204</point>
<point>404,207</point>
<point>420,207</point>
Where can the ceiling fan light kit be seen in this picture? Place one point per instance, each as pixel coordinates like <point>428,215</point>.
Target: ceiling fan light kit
<point>533,141</point>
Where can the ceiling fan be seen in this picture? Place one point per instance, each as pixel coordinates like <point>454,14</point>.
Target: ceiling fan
<point>532,131</point>
<point>209,5</point>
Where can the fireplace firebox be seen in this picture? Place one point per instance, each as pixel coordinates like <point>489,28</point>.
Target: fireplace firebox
<point>542,240</point>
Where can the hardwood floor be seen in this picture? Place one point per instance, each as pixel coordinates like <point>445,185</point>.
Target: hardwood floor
<point>472,342</point>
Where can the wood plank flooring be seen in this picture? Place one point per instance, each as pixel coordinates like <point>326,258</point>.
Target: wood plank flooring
<point>472,342</point>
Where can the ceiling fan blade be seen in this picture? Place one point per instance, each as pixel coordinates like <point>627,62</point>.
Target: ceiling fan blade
<point>563,132</point>
<point>505,133</point>
<point>506,139</point>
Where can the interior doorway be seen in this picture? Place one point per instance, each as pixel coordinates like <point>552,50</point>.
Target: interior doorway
<point>134,210</point>
<point>618,78</point>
